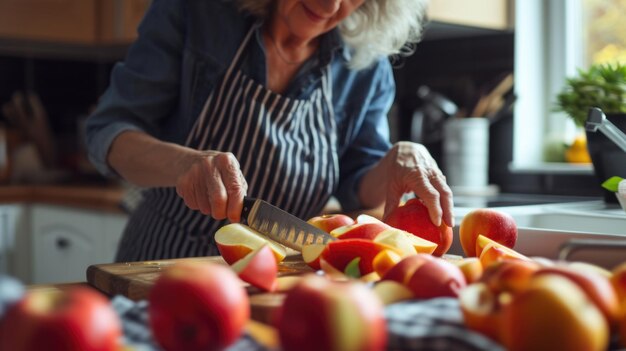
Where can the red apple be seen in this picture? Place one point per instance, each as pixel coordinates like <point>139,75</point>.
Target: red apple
<point>413,217</point>
<point>328,222</point>
<point>367,231</point>
<point>597,287</point>
<point>259,269</point>
<point>198,306</point>
<point>436,278</point>
<point>404,269</point>
<point>74,319</point>
<point>235,241</point>
<point>496,225</point>
<point>318,314</point>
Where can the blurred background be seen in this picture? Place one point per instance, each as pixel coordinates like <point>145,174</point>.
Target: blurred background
<point>502,61</point>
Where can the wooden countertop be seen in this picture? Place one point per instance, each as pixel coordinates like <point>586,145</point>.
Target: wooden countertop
<point>102,198</point>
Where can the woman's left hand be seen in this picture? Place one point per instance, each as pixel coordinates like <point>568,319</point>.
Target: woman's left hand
<point>411,168</point>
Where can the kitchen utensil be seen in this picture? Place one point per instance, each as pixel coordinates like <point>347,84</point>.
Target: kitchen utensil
<point>281,226</point>
<point>486,101</point>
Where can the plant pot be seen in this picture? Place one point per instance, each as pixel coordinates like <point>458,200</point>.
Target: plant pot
<point>607,158</point>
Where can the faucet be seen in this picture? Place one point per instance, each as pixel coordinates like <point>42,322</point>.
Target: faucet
<point>596,120</point>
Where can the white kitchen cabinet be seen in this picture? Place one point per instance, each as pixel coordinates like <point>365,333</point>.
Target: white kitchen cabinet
<point>65,241</point>
<point>12,239</point>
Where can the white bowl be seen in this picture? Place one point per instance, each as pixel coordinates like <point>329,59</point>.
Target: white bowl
<point>622,200</point>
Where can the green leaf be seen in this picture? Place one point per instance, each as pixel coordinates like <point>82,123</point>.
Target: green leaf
<point>352,269</point>
<point>612,184</point>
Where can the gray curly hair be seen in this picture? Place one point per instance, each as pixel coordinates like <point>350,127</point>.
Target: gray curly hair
<point>378,28</point>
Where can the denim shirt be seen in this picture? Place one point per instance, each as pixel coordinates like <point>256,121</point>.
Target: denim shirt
<point>182,52</point>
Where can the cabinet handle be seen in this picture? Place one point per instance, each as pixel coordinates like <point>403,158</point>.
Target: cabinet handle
<point>63,243</point>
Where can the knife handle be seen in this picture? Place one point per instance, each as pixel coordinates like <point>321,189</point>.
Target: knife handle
<point>248,203</point>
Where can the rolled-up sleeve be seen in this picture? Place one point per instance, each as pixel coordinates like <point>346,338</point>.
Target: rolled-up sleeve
<point>145,87</point>
<point>371,142</point>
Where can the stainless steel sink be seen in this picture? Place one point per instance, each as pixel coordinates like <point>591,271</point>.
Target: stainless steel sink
<point>589,231</point>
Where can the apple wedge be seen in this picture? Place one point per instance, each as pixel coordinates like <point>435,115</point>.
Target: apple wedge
<point>389,291</point>
<point>258,268</point>
<point>312,253</point>
<point>405,242</point>
<point>235,241</point>
<point>341,252</point>
<point>367,231</point>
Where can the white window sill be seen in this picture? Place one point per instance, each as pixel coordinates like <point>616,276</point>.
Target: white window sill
<point>552,168</point>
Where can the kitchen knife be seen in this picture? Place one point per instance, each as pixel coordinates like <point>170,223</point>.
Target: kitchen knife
<point>281,226</point>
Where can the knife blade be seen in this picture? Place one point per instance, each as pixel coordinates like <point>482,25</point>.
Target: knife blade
<point>281,226</point>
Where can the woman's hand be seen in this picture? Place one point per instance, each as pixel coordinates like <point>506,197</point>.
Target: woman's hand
<point>214,185</point>
<point>411,168</point>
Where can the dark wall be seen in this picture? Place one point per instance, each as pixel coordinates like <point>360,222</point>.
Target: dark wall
<point>460,68</point>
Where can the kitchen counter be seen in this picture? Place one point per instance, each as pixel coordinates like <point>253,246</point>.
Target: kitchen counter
<point>105,198</point>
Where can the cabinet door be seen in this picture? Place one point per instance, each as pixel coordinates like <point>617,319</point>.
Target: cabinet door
<point>65,242</point>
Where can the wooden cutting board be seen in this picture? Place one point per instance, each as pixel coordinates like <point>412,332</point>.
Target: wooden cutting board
<point>135,279</point>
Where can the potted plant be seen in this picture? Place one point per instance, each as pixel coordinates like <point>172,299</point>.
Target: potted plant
<point>603,86</point>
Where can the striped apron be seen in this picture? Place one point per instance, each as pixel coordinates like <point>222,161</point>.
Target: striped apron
<point>287,150</point>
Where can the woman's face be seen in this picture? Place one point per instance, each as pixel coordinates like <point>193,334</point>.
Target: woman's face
<point>307,19</point>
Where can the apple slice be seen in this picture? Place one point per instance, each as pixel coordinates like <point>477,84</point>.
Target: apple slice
<point>471,267</point>
<point>367,231</point>
<point>332,272</point>
<point>397,239</point>
<point>365,218</point>
<point>385,260</point>
<point>311,254</point>
<point>421,245</point>
<point>480,308</point>
<point>235,241</point>
<point>496,252</point>
<point>404,269</point>
<point>286,283</point>
<point>341,252</point>
<point>258,268</point>
<point>436,278</point>
<point>328,222</point>
<point>389,291</point>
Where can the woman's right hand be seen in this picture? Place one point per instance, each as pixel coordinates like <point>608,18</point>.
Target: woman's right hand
<point>214,185</point>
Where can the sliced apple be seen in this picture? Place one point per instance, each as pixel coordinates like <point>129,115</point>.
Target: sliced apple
<point>471,267</point>
<point>397,239</point>
<point>421,245</point>
<point>389,291</point>
<point>404,269</point>
<point>311,255</point>
<point>328,222</point>
<point>480,309</point>
<point>385,260</point>
<point>492,251</point>
<point>235,241</point>
<point>259,269</point>
<point>365,218</point>
<point>332,272</point>
<point>341,252</point>
<point>511,276</point>
<point>367,231</point>
<point>436,278</point>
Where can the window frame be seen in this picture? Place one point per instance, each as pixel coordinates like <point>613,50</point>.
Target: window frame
<point>548,49</point>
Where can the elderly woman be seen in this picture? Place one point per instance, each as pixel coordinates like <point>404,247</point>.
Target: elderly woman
<point>284,100</point>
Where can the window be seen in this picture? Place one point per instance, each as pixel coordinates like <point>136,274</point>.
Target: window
<point>552,40</point>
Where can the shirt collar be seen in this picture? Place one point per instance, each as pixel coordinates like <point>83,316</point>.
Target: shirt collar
<point>331,43</point>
